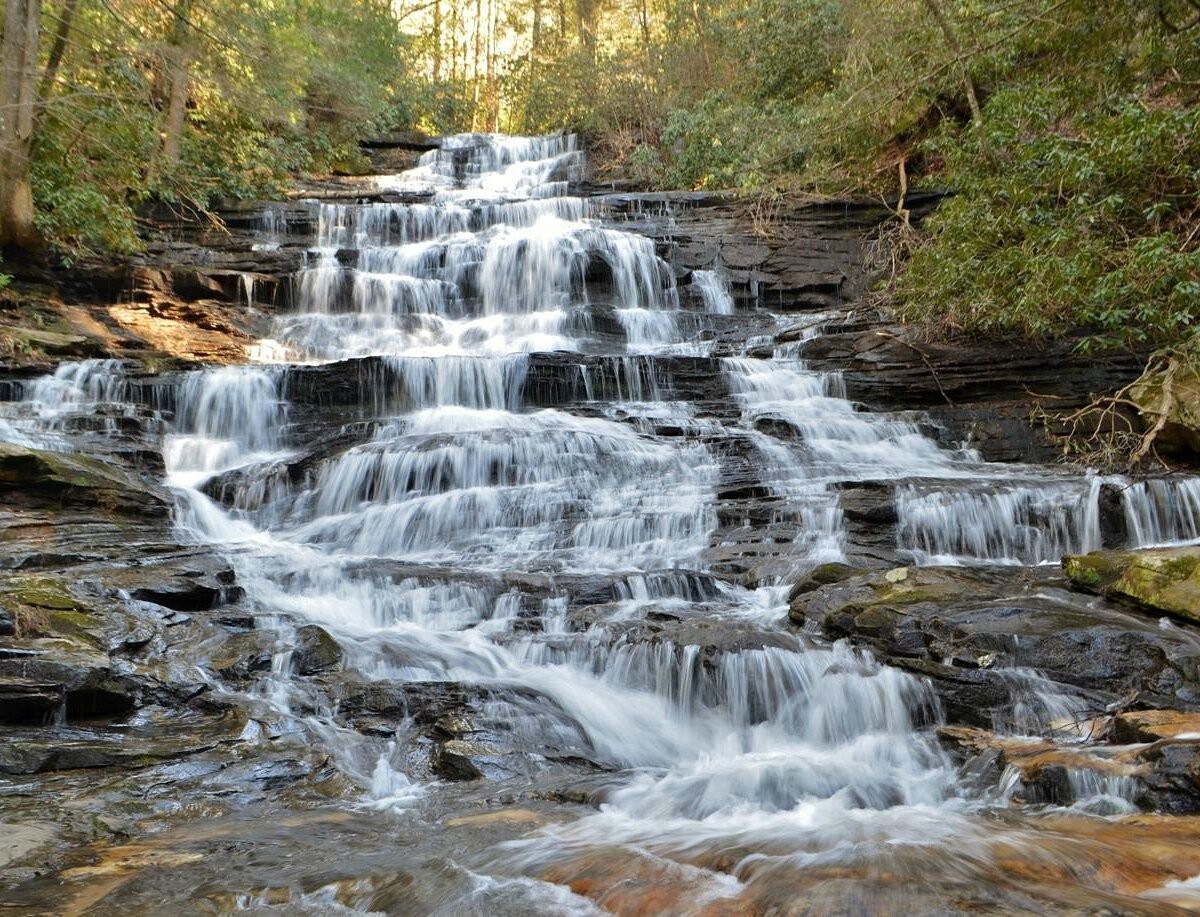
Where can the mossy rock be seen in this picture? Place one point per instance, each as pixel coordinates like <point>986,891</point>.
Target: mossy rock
<point>1181,428</point>
<point>45,592</point>
<point>843,603</point>
<point>820,576</point>
<point>1164,580</point>
<point>43,606</point>
<point>53,479</point>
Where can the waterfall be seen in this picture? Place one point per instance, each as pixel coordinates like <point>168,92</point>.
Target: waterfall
<point>714,291</point>
<point>534,498</point>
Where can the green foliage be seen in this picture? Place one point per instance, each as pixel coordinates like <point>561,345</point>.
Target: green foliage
<point>646,164</point>
<point>1076,199</point>
<point>782,49</point>
<point>1067,221</point>
<point>721,143</point>
<point>273,88</point>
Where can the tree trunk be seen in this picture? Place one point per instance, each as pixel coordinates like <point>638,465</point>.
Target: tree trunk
<point>61,35</point>
<point>699,23</point>
<point>493,96</point>
<point>951,38</point>
<point>478,43</point>
<point>644,16</point>
<point>18,97</point>
<point>437,41</point>
<point>178,55</point>
<point>587,14</point>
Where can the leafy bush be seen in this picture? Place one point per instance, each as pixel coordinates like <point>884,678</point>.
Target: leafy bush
<point>273,88</point>
<point>1066,221</point>
<point>724,143</point>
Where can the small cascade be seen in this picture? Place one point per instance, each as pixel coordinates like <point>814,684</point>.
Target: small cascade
<point>838,442</point>
<point>273,229</point>
<point>246,287</point>
<point>714,292</point>
<point>1162,511</point>
<point>1008,522</point>
<point>490,268</point>
<point>225,417</point>
<point>87,383</point>
<point>493,486</point>
<point>90,396</point>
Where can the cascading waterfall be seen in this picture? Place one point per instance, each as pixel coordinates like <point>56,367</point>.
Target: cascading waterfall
<point>452,294</point>
<point>399,542</point>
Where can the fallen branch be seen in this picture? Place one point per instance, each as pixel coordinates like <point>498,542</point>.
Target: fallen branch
<point>924,359</point>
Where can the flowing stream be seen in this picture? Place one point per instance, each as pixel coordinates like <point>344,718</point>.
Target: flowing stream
<point>536,462</point>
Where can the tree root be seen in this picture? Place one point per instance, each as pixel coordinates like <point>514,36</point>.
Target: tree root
<point>1114,432</point>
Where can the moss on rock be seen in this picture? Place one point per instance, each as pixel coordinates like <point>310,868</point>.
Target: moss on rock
<point>57,480</point>
<point>1165,580</point>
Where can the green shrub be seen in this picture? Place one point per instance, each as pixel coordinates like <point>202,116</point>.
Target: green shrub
<point>1065,221</point>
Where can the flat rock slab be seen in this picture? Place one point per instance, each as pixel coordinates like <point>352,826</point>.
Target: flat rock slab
<point>971,630</point>
<point>19,839</point>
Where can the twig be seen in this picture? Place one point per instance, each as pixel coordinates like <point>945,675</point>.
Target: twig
<point>924,359</point>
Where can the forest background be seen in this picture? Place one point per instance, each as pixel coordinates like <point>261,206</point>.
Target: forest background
<point>1068,131</point>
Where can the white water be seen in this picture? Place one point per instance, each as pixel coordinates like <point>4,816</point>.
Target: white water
<point>799,749</point>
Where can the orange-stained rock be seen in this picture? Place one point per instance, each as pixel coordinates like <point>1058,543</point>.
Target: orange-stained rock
<point>1153,725</point>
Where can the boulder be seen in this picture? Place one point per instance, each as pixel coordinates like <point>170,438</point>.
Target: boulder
<point>452,761</point>
<point>34,478</point>
<point>973,631</point>
<point>316,651</point>
<point>1168,398</point>
<point>823,575</point>
<point>1160,580</point>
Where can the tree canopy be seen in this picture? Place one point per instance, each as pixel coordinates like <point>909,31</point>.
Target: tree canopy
<point>1066,128</point>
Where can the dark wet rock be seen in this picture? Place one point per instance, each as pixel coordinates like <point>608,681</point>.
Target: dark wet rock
<point>452,761</point>
<point>966,628</point>
<point>268,774</point>
<point>315,651</point>
<point>1114,524</point>
<point>155,735</point>
<point>85,685</point>
<point>24,700</point>
<point>52,480</point>
<point>708,638</point>
<point>188,582</point>
<point>806,255</point>
<point>888,367</point>
<point>241,655</point>
<point>8,623</point>
<point>1173,783</point>
<point>1160,580</point>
